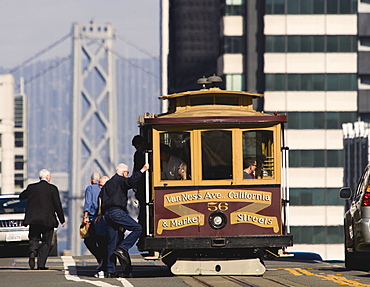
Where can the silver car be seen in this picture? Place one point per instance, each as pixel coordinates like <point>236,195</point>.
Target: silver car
<point>13,234</point>
<point>357,224</point>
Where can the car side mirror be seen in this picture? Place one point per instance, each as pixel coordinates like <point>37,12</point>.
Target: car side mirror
<point>345,193</point>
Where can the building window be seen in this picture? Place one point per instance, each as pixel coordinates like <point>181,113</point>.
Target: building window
<point>19,180</point>
<point>235,82</point>
<point>275,7</point>
<point>311,44</point>
<point>311,82</point>
<point>311,7</point>
<point>314,196</point>
<point>319,120</point>
<point>234,7</point>
<point>317,234</point>
<point>18,112</point>
<point>316,158</point>
<point>19,162</point>
<point>234,45</point>
<point>18,139</point>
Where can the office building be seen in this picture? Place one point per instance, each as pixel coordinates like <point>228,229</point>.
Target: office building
<point>311,60</point>
<point>311,74</point>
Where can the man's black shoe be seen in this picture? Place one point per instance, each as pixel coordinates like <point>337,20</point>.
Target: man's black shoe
<point>126,266</point>
<point>31,260</point>
<point>42,268</point>
<point>128,270</point>
<point>127,275</point>
<point>140,244</point>
<point>112,275</point>
<point>123,254</point>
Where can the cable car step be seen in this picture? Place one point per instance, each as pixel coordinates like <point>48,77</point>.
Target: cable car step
<point>219,267</point>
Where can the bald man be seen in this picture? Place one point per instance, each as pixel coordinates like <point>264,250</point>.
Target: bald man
<point>103,180</point>
<point>114,207</point>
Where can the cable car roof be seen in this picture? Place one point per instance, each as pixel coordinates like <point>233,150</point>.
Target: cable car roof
<point>211,91</point>
<point>211,106</point>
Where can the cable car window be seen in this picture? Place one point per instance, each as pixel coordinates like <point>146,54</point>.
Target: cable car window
<point>230,101</point>
<point>216,154</point>
<point>258,154</point>
<point>175,155</point>
<point>201,101</point>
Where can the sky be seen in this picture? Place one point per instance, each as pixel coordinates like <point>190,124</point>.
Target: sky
<point>29,26</point>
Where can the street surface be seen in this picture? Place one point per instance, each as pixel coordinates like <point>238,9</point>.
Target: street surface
<point>79,271</point>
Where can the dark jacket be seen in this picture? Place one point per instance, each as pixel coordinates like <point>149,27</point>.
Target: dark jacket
<point>114,191</point>
<point>43,204</point>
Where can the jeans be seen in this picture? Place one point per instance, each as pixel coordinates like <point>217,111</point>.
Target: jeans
<point>116,218</point>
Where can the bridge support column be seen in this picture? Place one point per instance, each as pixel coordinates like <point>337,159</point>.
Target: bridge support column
<point>94,138</point>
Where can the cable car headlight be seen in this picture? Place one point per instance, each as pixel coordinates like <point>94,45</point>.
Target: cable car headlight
<point>217,220</point>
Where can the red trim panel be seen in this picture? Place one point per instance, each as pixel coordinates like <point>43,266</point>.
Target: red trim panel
<point>240,212</point>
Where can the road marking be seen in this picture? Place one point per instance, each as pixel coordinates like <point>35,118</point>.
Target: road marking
<point>334,278</point>
<point>70,273</point>
<point>294,272</point>
<point>125,283</point>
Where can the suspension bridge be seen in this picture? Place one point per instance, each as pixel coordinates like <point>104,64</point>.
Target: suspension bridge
<point>82,109</point>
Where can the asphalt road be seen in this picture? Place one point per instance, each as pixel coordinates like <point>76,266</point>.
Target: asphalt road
<point>79,271</point>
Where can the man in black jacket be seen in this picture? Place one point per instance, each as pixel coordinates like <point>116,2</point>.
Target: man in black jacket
<point>43,204</point>
<point>139,160</point>
<point>114,207</point>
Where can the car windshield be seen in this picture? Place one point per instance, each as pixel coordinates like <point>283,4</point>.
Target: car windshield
<point>12,205</point>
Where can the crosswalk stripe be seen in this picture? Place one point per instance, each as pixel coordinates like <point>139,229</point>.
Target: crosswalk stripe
<point>70,273</point>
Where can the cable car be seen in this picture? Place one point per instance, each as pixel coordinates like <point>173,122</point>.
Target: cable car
<point>217,187</point>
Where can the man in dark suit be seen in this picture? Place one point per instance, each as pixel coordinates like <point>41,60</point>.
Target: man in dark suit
<point>43,204</point>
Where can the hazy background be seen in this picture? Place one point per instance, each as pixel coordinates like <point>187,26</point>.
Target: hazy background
<point>28,26</point>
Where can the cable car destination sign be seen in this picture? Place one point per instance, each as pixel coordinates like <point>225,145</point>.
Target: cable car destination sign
<point>223,200</point>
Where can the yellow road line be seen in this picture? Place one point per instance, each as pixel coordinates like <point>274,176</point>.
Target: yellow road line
<point>334,278</point>
<point>294,272</point>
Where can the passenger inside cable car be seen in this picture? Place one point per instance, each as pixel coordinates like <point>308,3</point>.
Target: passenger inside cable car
<point>249,168</point>
<point>172,166</point>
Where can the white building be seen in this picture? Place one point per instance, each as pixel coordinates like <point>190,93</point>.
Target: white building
<point>13,137</point>
<point>7,149</point>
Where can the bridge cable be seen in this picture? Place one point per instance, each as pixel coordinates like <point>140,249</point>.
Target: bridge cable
<point>94,41</point>
<point>137,48</point>
<point>51,67</point>
<point>44,71</point>
<point>64,59</point>
<point>40,53</point>
<point>134,64</point>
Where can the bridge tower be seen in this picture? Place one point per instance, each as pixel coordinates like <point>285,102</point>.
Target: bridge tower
<point>94,129</point>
